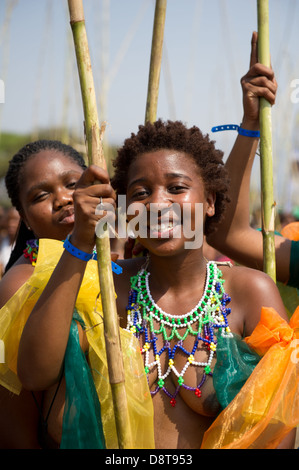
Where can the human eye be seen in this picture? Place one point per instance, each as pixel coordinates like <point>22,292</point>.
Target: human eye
<point>177,188</point>
<point>70,179</point>
<point>40,196</point>
<point>72,184</point>
<point>139,193</point>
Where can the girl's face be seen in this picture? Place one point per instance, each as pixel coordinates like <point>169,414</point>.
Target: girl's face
<point>46,194</point>
<point>169,179</point>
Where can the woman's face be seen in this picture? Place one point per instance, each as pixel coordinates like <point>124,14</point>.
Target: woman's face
<point>46,194</point>
<point>169,180</point>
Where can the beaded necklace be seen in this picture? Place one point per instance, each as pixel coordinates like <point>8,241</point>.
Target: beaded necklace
<point>208,315</point>
<point>31,251</point>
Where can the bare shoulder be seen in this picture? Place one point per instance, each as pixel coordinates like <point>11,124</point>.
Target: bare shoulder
<point>247,278</point>
<point>251,290</point>
<point>18,274</point>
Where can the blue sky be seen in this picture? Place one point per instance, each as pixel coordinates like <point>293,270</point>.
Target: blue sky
<point>207,46</point>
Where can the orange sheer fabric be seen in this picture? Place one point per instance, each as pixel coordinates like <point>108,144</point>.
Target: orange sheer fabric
<point>267,407</point>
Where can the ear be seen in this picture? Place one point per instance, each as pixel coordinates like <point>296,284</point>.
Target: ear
<point>210,204</point>
<point>23,218</point>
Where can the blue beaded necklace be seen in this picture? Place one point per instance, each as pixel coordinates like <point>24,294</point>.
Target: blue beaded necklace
<point>210,314</point>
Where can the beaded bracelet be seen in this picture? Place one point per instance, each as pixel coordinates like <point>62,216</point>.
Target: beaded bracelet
<point>67,245</point>
<point>235,127</point>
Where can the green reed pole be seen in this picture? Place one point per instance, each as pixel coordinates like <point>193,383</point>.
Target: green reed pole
<point>155,62</point>
<point>266,161</point>
<point>96,156</point>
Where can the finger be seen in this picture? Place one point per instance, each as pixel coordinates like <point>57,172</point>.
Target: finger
<point>93,174</point>
<point>96,192</point>
<point>114,256</point>
<point>262,92</point>
<point>105,206</point>
<point>260,69</point>
<point>254,49</point>
<point>263,82</point>
<point>100,190</point>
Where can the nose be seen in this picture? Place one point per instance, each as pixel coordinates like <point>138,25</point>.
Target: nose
<point>159,200</point>
<point>63,197</point>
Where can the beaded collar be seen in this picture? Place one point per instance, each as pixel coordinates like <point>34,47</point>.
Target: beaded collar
<point>208,315</point>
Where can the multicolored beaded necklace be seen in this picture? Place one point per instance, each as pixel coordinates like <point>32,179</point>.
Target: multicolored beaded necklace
<point>31,251</point>
<point>208,315</point>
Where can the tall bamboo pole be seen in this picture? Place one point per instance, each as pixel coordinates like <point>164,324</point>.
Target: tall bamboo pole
<point>155,62</point>
<point>266,161</point>
<point>95,156</point>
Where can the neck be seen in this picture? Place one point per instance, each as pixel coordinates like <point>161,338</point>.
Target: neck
<point>179,271</point>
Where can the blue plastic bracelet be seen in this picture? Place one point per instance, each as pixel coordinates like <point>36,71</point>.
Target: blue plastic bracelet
<point>67,245</point>
<point>248,133</point>
<point>235,127</point>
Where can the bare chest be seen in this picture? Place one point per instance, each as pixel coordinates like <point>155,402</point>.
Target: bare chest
<point>180,350</point>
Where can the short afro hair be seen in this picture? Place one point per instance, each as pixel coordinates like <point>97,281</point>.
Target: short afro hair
<point>175,135</point>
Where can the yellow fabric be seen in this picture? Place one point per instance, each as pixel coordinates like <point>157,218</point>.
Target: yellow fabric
<point>267,407</point>
<point>13,317</point>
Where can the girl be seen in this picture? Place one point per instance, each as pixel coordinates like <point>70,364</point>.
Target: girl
<point>180,306</point>
<point>41,181</point>
<point>30,186</point>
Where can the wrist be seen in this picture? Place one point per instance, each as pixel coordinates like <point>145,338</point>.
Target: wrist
<point>81,244</point>
<point>250,124</point>
<point>77,250</point>
<point>86,256</point>
<point>254,133</point>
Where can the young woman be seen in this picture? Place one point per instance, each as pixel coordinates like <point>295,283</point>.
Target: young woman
<point>41,181</point>
<point>30,184</point>
<point>178,305</point>
<point>171,294</point>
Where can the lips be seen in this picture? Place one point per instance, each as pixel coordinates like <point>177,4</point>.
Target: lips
<point>68,216</point>
<point>166,229</point>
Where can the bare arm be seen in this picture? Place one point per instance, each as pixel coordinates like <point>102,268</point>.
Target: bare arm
<point>45,336</point>
<point>234,236</point>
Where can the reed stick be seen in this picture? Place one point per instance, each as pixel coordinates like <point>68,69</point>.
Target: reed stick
<point>266,159</point>
<point>155,61</point>
<point>94,136</point>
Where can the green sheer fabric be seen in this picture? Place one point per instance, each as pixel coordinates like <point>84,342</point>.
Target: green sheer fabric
<point>82,425</point>
<point>294,265</point>
<point>235,362</point>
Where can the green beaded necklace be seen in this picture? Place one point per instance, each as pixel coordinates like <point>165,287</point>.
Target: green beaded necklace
<point>209,314</point>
